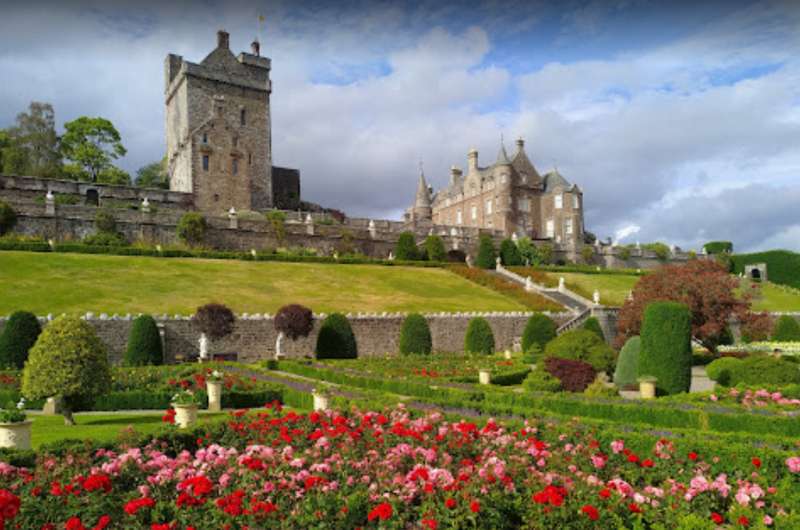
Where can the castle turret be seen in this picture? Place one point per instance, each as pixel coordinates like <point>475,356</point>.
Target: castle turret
<point>455,175</point>
<point>472,161</point>
<point>502,156</point>
<point>422,202</point>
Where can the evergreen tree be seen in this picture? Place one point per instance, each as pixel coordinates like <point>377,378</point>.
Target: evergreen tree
<point>509,254</point>
<point>406,248</point>
<point>434,247</point>
<point>486,253</point>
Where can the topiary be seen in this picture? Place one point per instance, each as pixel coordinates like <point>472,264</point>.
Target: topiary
<point>787,329</point>
<point>666,351</point>
<point>539,330</point>
<point>764,370</point>
<point>415,335</point>
<point>509,254</point>
<point>215,320</point>
<point>486,253</point>
<point>593,325</point>
<point>582,345</point>
<point>18,337</point>
<point>144,343</point>
<point>574,375</point>
<point>336,339</point>
<point>69,361</point>
<point>191,228</point>
<point>479,337</point>
<point>720,369</point>
<point>294,321</point>
<point>434,248</point>
<point>8,218</point>
<point>627,371</point>
<point>541,381</point>
<point>406,247</point>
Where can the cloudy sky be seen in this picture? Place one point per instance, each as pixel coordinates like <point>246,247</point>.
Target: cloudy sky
<point>681,123</point>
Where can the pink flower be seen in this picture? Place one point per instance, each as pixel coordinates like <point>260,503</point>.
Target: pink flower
<point>794,464</point>
<point>617,446</point>
<point>713,397</point>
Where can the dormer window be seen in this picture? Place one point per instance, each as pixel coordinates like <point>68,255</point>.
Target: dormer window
<point>559,201</point>
<point>243,117</point>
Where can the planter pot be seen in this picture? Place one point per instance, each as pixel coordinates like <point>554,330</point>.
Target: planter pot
<point>321,402</point>
<point>507,355</point>
<point>214,391</point>
<point>185,415</point>
<point>16,435</point>
<point>647,387</point>
<point>484,377</point>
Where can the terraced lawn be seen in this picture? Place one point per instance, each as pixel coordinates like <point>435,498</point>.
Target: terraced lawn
<point>62,283</point>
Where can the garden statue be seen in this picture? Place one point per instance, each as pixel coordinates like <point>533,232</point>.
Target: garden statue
<point>561,284</point>
<point>203,347</point>
<point>528,284</point>
<point>596,297</point>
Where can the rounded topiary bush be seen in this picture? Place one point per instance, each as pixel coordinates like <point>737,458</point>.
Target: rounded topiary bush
<point>720,370</point>
<point>593,325</point>
<point>541,381</point>
<point>539,330</point>
<point>294,321</point>
<point>144,343</point>
<point>336,339</point>
<point>8,218</point>
<point>627,370</point>
<point>406,247</point>
<point>666,351</point>
<point>415,335</point>
<point>18,337</point>
<point>787,329</point>
<point>479,337</point>
<point>764,370</point>
<point>215,320</point>
<point>69,361</point>
<point>582,345</point>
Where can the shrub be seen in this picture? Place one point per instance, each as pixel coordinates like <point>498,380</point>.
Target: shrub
<point>787,329</point>
<point>192,228</point>
<point>144,343</point>
<point>539,330</point>
<point>104,222</point>
<point>582,345</point>
<point>764,370</point>
<point>782,265</point>
<point>18,337</point>
<point>105,239</point>
<point>486,253</point>
<point>574,375</point>
<point>215,320</point>
<point>720,369</point>
<point>718,247</point>
<point>479,337</point>
<point>8,218</point>
<point>406,247</point>
<point>509,254</point>
<point>666,351</point>
<point>628,364</point>
<point>415,335</point>
<point>599,389</point>
<point>336,339</point>
<point>434,248</point>
<point>541,381</point>
<point>294,321</point>
<point>68,360</point>
<point>593,325</point>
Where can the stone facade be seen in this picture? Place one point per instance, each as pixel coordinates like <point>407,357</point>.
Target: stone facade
<point>219,134</point>
<point>254,336</point>
<point>509,197</point>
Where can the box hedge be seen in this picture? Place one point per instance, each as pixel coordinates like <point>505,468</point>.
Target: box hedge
<point>415,335</point>
<point>144,343</point>
<point>18,337</point>
<point>666,351</point>
<point>539,330</point>
<point>479,337</point>
<point>336,339</point>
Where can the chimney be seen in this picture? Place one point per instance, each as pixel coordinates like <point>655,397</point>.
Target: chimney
<point>455,174</point>
<point>472,160</point>
<point>223,39</point>
<point>256,47</point>
<point>520,143</point>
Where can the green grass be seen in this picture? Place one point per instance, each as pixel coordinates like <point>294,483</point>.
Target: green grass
<point>613,287</point>
<point>99,427</point>
<point>773,298</point>
<point>66,283</point>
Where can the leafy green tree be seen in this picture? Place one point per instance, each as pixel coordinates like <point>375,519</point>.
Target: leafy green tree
<point>114,175</point>
<point>486,252</point>
<point>91,144</point>
<point>153,175</point>
<point>434,248</point>
<point>528,251</point>
<point>18,337</point>
<point>192,228</point>
<point>32,145</point>
<point>545,254</point>
<point>406,247</point>
<point>509,254</point>
<point>415,335</point>
<point>5,143</point>
<point>479,337</point>
<point>68,361</point>
<point>539,330</point>
<point>144,343</point>
<point>666,351</point>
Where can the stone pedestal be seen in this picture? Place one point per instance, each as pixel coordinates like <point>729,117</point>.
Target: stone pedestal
<point>52,406</point>
<point>321,401</point>
<point>484,377</point>
<point>507,355</point>
<point>185,415</point>
<point>214,391</point>
<point>16,435</point>
<point>647,387</point>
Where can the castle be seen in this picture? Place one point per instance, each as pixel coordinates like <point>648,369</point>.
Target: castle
<point>219,134</point>
<point>509,197</point>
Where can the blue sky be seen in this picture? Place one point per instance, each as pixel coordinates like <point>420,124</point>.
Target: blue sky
<point>680,120</point>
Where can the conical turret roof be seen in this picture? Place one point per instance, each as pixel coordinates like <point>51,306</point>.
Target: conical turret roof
<point>423,198</point>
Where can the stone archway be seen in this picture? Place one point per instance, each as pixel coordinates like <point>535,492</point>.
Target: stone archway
<point>92,197</point>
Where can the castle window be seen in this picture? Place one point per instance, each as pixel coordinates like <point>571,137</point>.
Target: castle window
<point>474,213</point>
<point>550,229</point>
<point>568,227</point>
<point>236,141</point>
<point>459,219</point>
<point>205,138</point>
<point>559,201</point>
<point>249,159</point>
<point>243,117</point>
<point>489,207</point>
<point>576,203</point>
<point>524,205</point>
<point>235,166</point>
<point>205,162</point>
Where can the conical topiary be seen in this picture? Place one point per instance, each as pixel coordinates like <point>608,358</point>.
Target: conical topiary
<point>336,339</point>
<point>18,337</point>
<point>539,330</point>
<point>144,343</point>
<point>415,335</point>
<point>479,337</point>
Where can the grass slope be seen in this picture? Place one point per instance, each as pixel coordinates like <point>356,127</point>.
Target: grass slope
<point>56,283</point>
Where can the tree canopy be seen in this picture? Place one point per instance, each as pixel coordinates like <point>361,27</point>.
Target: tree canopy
<point>31,145</point>
<point>92,144</point>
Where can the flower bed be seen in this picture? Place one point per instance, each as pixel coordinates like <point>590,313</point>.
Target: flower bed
<point>391,470</point>
<point>785,348</point>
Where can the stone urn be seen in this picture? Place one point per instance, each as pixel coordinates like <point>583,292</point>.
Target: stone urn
<point>16,435</point>
<point>214,391</point>
<point>185,415</point>
<point>507,355</point>
<point>321,400</point>
<point>647,387</point>
<point>484,377</point>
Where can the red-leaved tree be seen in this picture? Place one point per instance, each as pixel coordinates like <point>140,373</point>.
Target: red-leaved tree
<point>704,286</point>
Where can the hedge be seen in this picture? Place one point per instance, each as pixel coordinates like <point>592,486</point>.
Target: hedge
<point>718,247</point>
<point>336,339</point>
<point>787,329</point>
<point>18,337</point>
<point>479,337</point>
<point>144,343</point>
<point>539,330</point>
<point>509,254</point>
<point>782,265</point>
<point>666,351</point>
<point>415,335</point>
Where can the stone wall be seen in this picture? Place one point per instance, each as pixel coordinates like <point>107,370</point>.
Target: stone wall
<point>253,337</point>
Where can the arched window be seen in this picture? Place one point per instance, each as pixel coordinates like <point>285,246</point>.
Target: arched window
<point>92,197</point>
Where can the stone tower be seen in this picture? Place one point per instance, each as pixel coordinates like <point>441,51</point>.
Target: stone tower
<point>219,139</point>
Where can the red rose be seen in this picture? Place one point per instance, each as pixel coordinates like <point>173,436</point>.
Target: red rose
<point>382,511</point>
<point>647,463</point>
<point>475,506</point>
<point>591,512</point>
<point>634,508</point>
<point>692,456</point>
<point>744,521</point>
<point>756,461</point>
<point>717,518</point>
<point>450,503</point>
<point>605,493</point>
<point>430,523</point>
